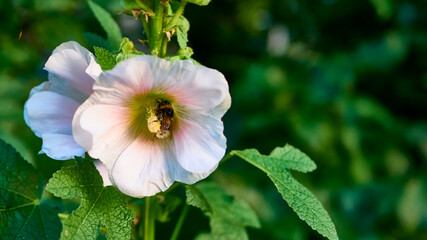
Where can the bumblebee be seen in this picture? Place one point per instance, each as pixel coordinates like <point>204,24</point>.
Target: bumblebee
<point>164,114</point>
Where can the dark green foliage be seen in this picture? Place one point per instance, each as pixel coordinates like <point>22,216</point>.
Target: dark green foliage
<point>22,214</point>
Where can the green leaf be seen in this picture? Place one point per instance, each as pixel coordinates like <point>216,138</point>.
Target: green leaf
<point>22,216</point>
<point>100,205</point>
<point>104,58</point>
<point>183,54</point>
<point>114,36</point>
<point>195,198</point>
<point>129,4</point>
<point>199,2</point>
<point>300,199</point>
<point>136,4</point>
<point>127,50</point>
<point>228,216</point>
<point>286,157</point>
<point>183,26</point>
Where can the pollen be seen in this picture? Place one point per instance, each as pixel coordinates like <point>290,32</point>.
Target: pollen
<point>153,123</point>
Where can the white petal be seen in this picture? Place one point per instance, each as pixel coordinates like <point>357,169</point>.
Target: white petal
<point>62,86</point>
<point>60,146</point>
<point>103,171</point>
<point>127,78</point>
<point>76,47</point>
<point>141,170</point>
<point>49,112</point>
<point>219,111</point>
<point>179,174</point>
<point>145,169</point>
<point>196,87</point>
<point>69,61</point>
<point>101,131</point>
<point>198,149</point>
<point>93,69</point>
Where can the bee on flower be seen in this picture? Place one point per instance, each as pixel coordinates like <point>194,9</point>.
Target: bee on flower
<point>153,122</point>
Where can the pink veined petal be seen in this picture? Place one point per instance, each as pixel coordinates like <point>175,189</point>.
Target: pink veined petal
<point>60,146</point>
<point>101,131</point>
<point>197,150</point>
<point>71,65</point>
<point>141,170</point>
<point>49,112</point>
<point>127,78</point>
<point>197,87</point>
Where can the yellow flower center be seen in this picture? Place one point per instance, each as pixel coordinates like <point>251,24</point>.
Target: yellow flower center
<point>152,116</point>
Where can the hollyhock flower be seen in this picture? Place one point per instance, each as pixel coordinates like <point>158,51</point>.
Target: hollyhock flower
<point>51,106</point>
<point>153,122</point>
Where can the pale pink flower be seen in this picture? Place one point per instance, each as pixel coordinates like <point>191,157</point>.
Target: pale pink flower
<point>153,122</point>
<point>103,171</point>
<point>51,106</point>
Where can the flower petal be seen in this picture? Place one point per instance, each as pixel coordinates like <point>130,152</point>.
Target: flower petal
<point>199,149</point>
<point>101,131</point>
<point>70,61</point>
<point>103,171</point>
<point>49,112</point>
<point>93,69</point>
<point>196,87</point>
<point>144,169</point>
<point>127,78</point>
<point>61,146</point>
<point>141,170</point>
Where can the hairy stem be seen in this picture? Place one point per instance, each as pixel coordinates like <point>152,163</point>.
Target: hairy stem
<point>144,7</point>
<point>172,23</point>
<point>156,28</point>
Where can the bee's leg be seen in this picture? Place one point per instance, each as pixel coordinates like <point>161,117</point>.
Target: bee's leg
<point>158,120</point>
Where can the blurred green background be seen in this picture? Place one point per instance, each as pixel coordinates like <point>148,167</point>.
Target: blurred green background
<point>344,81</point>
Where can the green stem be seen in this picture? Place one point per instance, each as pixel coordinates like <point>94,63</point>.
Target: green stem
<point>146,27</point>
<point>156,28</point>
<point>164,48</point>
<point>172,23</point>
<point>147,218</point>
<point>180,222</point>
<point>144,7</point>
